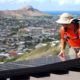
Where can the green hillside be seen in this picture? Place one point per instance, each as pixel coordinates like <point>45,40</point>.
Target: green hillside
<point>36,53</point>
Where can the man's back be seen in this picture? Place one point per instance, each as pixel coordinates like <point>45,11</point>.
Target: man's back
<point>72,37</point>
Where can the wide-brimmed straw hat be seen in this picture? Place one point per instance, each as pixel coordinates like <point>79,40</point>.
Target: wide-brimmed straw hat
<point>65,18</point>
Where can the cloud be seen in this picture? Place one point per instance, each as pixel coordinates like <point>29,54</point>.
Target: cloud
<point>41,1</point>
<point>13,1</point>
<point>68,2</point>
<point>2,1</point>
<point>61,2</point>
<point>41,4</point>
<point>22,1</point>
<point>77,1</point>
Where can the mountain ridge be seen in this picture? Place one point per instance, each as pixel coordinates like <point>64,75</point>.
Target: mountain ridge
<point>22,12</point>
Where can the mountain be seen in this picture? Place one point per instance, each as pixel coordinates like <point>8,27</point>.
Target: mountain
<point>22,12</point>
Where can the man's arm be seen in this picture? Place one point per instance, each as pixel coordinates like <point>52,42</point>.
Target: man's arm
<point>62,53</point>
<point>63,42</point>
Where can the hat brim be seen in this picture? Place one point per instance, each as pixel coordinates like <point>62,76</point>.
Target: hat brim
<point>61,21</point>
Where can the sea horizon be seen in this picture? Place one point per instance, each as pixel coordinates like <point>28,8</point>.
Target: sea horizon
<point>60,12</point>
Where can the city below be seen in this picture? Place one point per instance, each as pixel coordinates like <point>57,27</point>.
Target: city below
<point>25,30</point>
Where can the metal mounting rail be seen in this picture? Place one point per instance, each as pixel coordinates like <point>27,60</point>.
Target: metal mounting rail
<point>22,70</point>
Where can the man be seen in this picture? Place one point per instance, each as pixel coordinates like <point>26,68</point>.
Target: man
<point>67,31</point>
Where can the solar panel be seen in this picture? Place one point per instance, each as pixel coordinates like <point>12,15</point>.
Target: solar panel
<point>41,61</point>
<point>30,63</point>
<point>36,65</point>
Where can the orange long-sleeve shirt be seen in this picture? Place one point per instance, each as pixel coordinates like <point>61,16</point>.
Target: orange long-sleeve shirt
<point>75,43</point>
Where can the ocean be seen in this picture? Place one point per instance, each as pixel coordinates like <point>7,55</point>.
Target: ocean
<point>60,12</point>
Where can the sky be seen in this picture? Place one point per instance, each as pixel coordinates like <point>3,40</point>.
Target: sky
<point>43,5</point>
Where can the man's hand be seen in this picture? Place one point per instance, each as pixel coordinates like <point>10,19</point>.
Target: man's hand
<point>62,55</point>
<point>78,55</point>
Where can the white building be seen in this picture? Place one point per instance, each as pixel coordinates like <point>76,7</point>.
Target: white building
<point>48,31</point>
<point>36,31</point>
<point>40,45</point>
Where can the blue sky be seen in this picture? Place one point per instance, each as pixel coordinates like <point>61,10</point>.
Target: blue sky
<point>43,5</point>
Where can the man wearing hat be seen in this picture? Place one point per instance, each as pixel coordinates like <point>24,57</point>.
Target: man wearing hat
<point>69,33</point>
